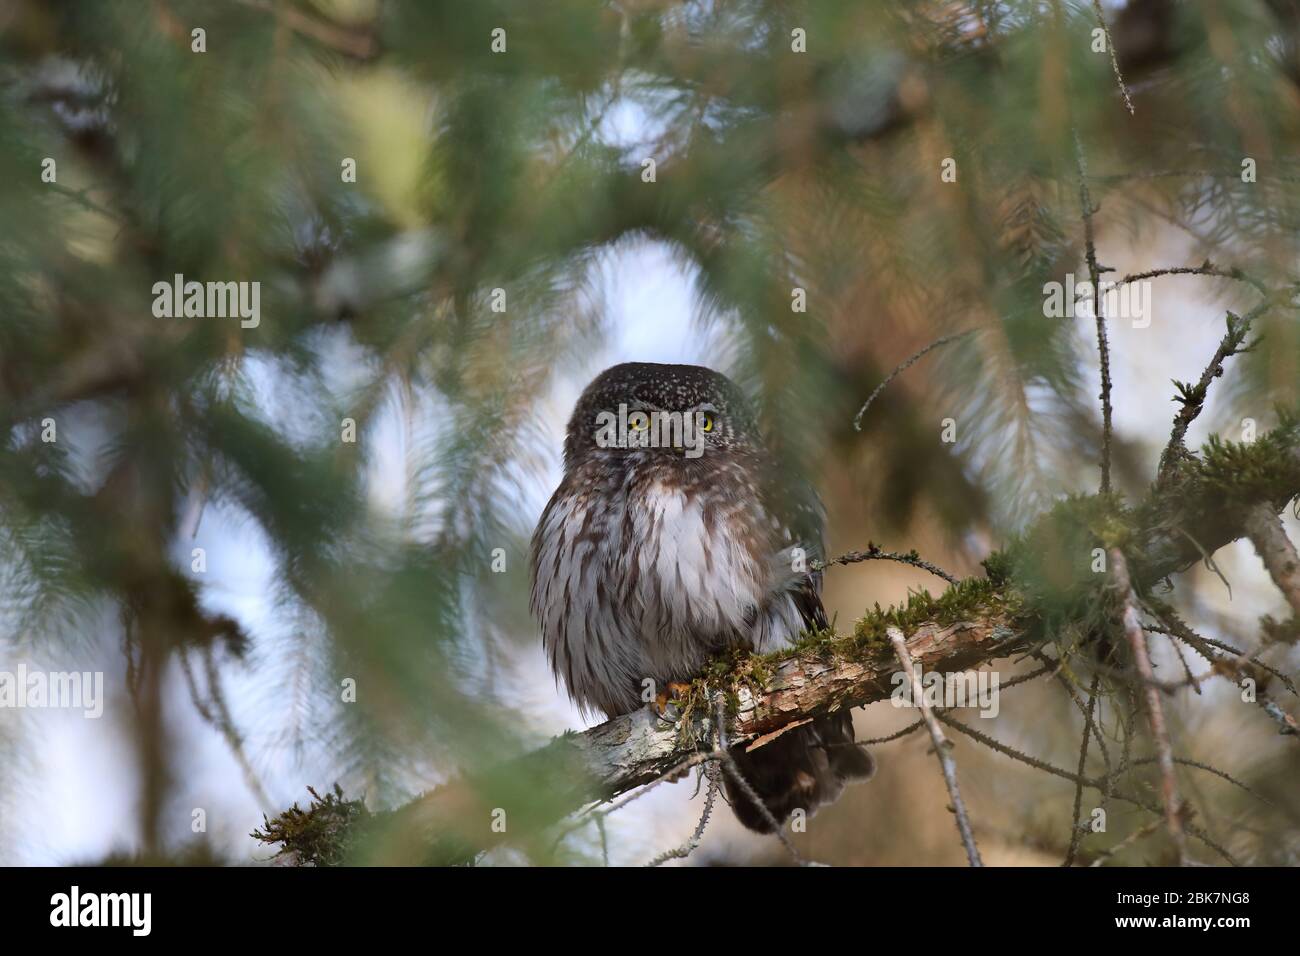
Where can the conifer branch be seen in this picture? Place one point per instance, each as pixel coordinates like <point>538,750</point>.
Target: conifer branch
<point>976,621</point>
<point>1276,550</point>
<point>942,747</point>
<point>1094,276</point>
<point>1155,709</point>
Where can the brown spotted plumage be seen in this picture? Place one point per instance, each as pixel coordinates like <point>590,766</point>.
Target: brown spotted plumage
<point>648,562</point>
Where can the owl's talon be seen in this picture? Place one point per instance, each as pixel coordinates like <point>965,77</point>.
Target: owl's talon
<point>673,695</point>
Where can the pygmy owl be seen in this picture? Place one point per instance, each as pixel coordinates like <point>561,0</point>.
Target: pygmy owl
<point>654,556</point>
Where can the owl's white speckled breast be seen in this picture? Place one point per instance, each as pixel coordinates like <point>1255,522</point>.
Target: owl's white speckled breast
<point>647,580</point>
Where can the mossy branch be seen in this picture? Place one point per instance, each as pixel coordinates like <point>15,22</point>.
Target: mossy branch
<point>1040,586</point>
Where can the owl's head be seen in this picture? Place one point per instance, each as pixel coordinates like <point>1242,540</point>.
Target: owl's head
<point>645,401</point>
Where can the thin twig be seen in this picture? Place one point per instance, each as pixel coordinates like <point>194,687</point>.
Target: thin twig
<point>596,812</point>
<point>1207,268</point>
<point>1210,564</point>
<point>1192,397</point>
<point>1129,840</point>
<point>1099,313</point>
<point>941,744</point>
<point>1055,771</point>
<point>1222,775</point>
<point>1094,725</point>
<point>1236,665</point>
<point>1045,669</point>
<point>729,763</point>
<point>1179,629</point>
<point>1076,830</point>
<point>1275,549</point>
<point>1165,686</point>
<point>920,721</point>
<point>217,714</point>
<point>1190,680</point>
<point>910,728</point>
<point>1155,709</point>
<point>685,850</point>
<point>873,553</point>
<point>857,419</point>
<point>1114,58</point>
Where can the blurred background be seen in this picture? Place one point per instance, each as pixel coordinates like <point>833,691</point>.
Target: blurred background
<point>795,145</point>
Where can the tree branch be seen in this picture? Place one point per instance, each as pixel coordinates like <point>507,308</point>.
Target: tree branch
<point>1155,710</point>
<point>1276,550</point>
<point>942,747</point>
<point>1094,276</point>
<point>974,622</point>
<point>1192,397</point>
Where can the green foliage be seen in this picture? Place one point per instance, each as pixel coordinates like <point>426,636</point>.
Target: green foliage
<point>522,172</point>
<point>321,835</point>
<point>969,599</point>
<point>1239,474</point>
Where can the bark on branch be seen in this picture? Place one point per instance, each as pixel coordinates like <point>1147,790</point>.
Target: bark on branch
<point>454,822</point>
<point>1276,550</point>
<point>1155,709</point>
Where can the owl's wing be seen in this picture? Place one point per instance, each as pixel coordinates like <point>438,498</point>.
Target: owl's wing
<point>808,600</point>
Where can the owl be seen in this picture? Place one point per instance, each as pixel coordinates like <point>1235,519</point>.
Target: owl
<point>672,538</point>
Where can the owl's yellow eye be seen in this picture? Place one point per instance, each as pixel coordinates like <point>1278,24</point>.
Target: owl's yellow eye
<point>706,423</point>
<point>638,421</point>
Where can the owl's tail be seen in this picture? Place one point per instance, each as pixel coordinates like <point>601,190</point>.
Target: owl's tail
<point>803,768</point>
